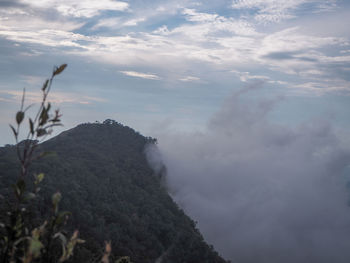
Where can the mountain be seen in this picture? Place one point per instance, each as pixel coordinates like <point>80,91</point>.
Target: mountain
<point>113,194</point>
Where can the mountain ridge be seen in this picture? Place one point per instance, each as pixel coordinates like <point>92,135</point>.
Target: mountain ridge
<point>106,182</point>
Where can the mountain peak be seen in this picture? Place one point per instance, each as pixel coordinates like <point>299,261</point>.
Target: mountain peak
<point>106,182</point>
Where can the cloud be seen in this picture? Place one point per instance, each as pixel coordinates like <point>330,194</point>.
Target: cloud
<point>88,8</point>
<point>213,23</point>
<point>16,21</point>
<point>55,97</point>
<point>140,75</point>
<point>291,40</point>
<point>276,11</point>
<point>163,30</point>
<point>180,37</point>
<point>133,22</point>
<point>194,16</point>
<point>320,88</point>
<point>47,37</point>
<point>116,23</point>
<point>107,22</point>
<point>190,78</point>
<point>288,55</point>
<point>246,76</point>
<point>262,192</point>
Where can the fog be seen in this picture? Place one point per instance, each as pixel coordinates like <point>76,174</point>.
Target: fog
<point>261,192</point>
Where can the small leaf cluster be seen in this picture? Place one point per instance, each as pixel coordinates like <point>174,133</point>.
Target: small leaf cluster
<point>39,127</point>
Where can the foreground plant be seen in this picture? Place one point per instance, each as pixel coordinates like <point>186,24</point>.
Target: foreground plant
<point>19,240</point>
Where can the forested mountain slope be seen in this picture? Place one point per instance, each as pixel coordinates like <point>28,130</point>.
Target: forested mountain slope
<point>105,180</point>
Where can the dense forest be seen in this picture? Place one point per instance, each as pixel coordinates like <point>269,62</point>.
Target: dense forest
<point>106,183</point>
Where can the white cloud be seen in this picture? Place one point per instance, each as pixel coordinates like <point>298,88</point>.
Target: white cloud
<point>201,41</point>
<point>290,39</point>
<point>246,76</point>
<point>46,37</point>
<point>276,10</point>
<point>107,22</point>
<point>76,8</point>
<point>199,17</point>
<point>190,79</point>
<point>292,52</point>
<point>319,88</point>
<point>133,22</point>
<point>163,30</point>
<point>213,23</point>
<point>19,22</point>
<point>219,42</point>
<point>326,6</point>
<point>140,75</point>
<point>54,97</point>
<point>117,22</point>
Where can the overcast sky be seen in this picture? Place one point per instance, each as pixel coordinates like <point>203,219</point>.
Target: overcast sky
<point>154,63</point>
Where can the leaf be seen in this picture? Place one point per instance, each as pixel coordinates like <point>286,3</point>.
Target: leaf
<point>31,126</point>
<point>35,247</point>
<point>13,130</point>
<point>62,238</point>
<point>67,251</point>
<point>61,217</point>
<point>44,116</point>
<point>21,185</point>
<point>45,85</point>
<point>18,227</point>
<point>63,244</point>
<point>19,117</point>
<point>39,178</point>
<point>40,132</point>
<point>59,69</point>
<point>37,232</point>
<point>56,198</point>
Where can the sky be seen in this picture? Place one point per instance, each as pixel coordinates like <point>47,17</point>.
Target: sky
<point>249,97</point>
<point>153,63</point>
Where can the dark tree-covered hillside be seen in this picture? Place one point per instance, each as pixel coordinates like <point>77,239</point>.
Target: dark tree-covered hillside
<point>105,180</point>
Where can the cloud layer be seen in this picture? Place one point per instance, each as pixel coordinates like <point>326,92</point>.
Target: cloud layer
<point>179,35</point>
<point>262,192</point>
<point>88,8</point>
<point>275,11</point>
